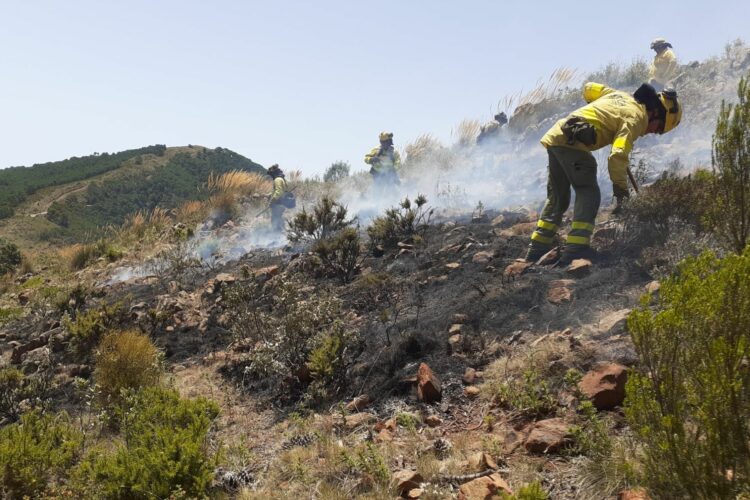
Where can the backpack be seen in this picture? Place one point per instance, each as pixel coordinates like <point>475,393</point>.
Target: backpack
<point>578,129</point>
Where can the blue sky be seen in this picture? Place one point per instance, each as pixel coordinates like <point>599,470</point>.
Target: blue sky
<point>304,84</point>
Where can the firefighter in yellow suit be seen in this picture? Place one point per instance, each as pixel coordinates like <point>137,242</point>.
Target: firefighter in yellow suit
<point>276,203</point>
<point>384,163</point>
<point>664,67</point>
<point>610,117</point>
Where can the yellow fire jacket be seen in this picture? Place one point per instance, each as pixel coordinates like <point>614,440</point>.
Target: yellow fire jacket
<point>383,160</point>
<point>618,119</point>
<point>279,188</point>
<point>664,67</point>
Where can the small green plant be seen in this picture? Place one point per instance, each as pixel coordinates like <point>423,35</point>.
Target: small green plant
<point>528,394</point>
<point>408,220</point>
<point>368,460</point>
<point>10,313</point>
<point>164,450</point>
<point>688,402</point>
<point>15,388</point>
<point>10,257</point>
<point>35,452</point>
<point>531,491</point>
<point>125,361</point>
<point>327,361</point>
<point>340,254</point>
<point>88,327</point>
<point>407,420</point>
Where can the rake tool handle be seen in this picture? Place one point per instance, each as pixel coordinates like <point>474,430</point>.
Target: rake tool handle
<point>632,180</point>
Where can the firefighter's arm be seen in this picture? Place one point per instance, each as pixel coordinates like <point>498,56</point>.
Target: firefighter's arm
<point>619,159</point>
<point>593,91</point>
<point>396,160</point>
<point>372,157</point>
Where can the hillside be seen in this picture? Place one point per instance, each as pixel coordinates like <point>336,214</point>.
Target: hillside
<point>72,208</point>
<point>388,345</point>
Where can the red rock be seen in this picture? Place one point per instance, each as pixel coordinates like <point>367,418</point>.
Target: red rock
<point>472,391</point>
<point>559,295</point>
<point>405,480</point>
<point>482,461</point>
<point>548,436</point>
<point>605,385</point>
<point>653,287</point>
<point>433,421</point>
<point>579,268</point>
<point>413,493</point>
<point>484,488</point>
<point>482,257</point>
<point>516,269</point>
<point>454,342</point>
<point>358,403</point>
<point>428,384</point>
<point>358,419</point>
<point>469,376</point>
<point>384,436</point>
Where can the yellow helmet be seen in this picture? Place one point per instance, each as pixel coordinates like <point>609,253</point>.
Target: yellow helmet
<point>386,136</point>
<point>668,99</point>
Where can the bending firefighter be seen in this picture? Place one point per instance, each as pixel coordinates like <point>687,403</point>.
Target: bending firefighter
<point>385,162</point>
<point>664,67</point>
<point>611,117</point>
<point>281,198</point>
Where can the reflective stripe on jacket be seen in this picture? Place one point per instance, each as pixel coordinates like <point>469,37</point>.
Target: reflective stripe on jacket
<point>279,188</point>
<point>389,159</point>
<point>618,119</point>
<point>664,67</point>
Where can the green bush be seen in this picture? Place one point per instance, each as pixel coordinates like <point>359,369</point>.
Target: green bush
<point>327,218</point>
<point>408,220</point>
<point>327,360</point>
<point>689,402</point>
<point>731,162</point>
<point>36,451</point>
<point>528,394</point>
<point>10,257</point>
<point>337,171</point>
<point>164,450</point>
<point>531,491</point>
<point>88,327</point>
<point>340,254</point>
<point>14,388</point>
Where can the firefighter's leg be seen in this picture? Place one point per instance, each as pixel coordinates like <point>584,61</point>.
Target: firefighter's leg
<point>558,200</point>
<point>580,167</point>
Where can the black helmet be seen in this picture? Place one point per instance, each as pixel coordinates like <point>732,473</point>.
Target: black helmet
<point>274,170</point>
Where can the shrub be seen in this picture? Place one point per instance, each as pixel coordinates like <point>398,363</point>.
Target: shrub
<point>730,159</point>
<point>14,388</point>
<point>88,327</point>
<point>408,220</point>
<point>340,254</point>
<point>337,171</point>
<point>531,491</point>
<point>327,218</point>
<point>327,360</point>
<point>10,257</point>
<point>164,450</point>
<point>528,394</point>
<point>367,460</point>
<point>34,452</point>
<point>125,360</point>
<point>689,401</point>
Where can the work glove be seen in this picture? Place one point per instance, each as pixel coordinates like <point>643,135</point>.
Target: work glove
<point>620,195</point>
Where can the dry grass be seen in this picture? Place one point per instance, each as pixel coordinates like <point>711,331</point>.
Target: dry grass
<point>240,183</point>
<point>125,360</point>
<point>143,224</point>
<point>466,132</point>
<point>190,211</point>
<point>77,256</point>
<point>557,81</point>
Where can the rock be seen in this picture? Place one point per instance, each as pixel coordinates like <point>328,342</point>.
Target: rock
<point>472,391</point>
<point>35,359</point>
<point>559,291</point>
<point>266,273</point>
<point>605,385</point>
<point>633,494</point>
<point>405,480</point>
<point>384,436</point>
<point>455,328</point>
<point>454,343</point>
<point>452,266</point>
<point>428,384</point>
<point>548,436</point>
<point>24,296</point>
<point>579,268</point>
<point>653,287</point>
<point>482,461</point>
<point>358,419</point>
<point>460,318</point>
<point>481,257</point>
<point>433,421</point>
<point>516,269</point>
<point>358,403</point>
<point>21,349</point>
<point>469,376</point>
<point>614,323</point>
<point>413,493</point>
<point>484,488</point>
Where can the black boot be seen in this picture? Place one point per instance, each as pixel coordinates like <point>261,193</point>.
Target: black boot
<point>534,253</point>
<point>570,254</point>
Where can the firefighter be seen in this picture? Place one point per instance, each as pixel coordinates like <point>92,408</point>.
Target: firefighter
<point>664,66</point>
<point>492,129</point>
<point>610,117</point>
<point>384,163</point>
<point>277,198</point>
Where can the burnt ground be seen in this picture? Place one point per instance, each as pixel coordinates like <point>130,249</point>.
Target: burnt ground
<point>459,269</point>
